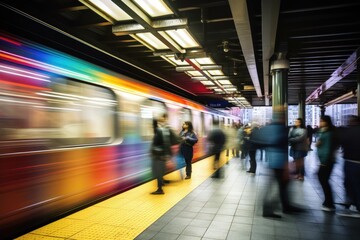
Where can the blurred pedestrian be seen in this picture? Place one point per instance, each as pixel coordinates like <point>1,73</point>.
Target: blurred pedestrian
<point>161,152</point>
<point>349,140</point>
<point>217,140</point>
<point>230,132</point>
<point>299,147</point>
<point>240,139</point>
<point>252,146</point>
<point>274,138</point>
<point>309,131</point>
<point>188,140</point>
<point>326,148</point>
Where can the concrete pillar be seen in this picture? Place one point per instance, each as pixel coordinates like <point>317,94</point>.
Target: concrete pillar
<point>279,74</point>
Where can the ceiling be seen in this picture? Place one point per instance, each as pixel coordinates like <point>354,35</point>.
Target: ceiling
<point>319,38</point>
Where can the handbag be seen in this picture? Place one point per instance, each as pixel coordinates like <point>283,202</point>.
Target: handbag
<point>180,161</point>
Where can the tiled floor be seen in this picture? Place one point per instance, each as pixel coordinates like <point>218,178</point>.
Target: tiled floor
<point>231,208</point>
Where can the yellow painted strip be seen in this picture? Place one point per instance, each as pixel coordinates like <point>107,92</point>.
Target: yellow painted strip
<point>128,214</point>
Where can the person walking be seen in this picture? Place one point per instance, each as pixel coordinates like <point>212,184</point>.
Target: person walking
<point>217,140</point>
<point>349,141</point>
<point>326,147</point>
<point>273,137</point>
<point>188,140</point>
<point>161,152</point>
<point>299,147</point>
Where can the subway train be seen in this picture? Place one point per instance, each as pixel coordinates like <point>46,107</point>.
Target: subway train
<point>73,133</point>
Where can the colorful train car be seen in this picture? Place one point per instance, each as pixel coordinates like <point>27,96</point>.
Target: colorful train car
<point>73,133</point>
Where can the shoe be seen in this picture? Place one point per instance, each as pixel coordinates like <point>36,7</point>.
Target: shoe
<point>348,213</point>
<point>271,215</point>
<point>328,209</point>
<point>188,177</point>
<point>158,192</point>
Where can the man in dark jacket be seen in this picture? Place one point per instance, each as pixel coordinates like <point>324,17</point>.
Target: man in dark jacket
<point>217,139</point>
<point>161,152</point>
<point>349,140</point>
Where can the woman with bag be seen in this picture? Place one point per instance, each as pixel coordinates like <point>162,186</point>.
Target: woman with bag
<point>299,147</point>
<point>188,140</point>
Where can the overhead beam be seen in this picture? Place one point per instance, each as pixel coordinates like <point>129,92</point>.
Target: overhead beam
<point>240,14</point>
<point>345,69</point>
<point>159,25</point>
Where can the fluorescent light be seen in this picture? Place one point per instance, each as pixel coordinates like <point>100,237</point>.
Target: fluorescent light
<point>199,78</point>
<point>218,90</point>
<point>211,67</point>
<point>207,83</point>
<point>154,8</point>
<point>194,73</point>
<point>215,72</point>
<point>184,68</point>
<point>204,61</point>
<point>342,98</point>
<point>153,41</point>
<point>231,89</point>
<point>224,82</point>
<point>107,9</point>
<point>183,38</point>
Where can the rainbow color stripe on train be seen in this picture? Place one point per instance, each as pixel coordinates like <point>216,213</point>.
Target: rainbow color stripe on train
<point>73,133</point>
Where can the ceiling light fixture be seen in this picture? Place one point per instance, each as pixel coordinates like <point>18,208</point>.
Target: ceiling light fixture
<point>154,8</point>
<point>107,9</point>
<point>342,98</point>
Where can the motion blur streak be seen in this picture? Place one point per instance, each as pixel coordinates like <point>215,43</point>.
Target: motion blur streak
<point>73,133</point>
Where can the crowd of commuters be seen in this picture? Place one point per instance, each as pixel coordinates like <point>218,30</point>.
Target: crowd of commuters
<point>279,142</point>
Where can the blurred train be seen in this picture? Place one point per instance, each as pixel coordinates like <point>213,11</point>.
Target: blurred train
<point>72,133</point>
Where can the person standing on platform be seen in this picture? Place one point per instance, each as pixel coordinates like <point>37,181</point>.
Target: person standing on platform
<point>188,140</point>
<point>310,132</point>
<point>349,141</point>
<point>251,147</point>
<point>326,147</point>
<point>299,147</point>
<point>217,140</point>
<point>241,142</point>
<point>161,152</point>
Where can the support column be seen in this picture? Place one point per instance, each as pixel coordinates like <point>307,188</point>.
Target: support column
<point>302,113</point>
<point>279,73</point>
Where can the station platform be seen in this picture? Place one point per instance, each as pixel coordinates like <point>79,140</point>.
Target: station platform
<point>210,208</point>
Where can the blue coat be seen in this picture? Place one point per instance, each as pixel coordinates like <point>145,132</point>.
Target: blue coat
<point>186,146</point>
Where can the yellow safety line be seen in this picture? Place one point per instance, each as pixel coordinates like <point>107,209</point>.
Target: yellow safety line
<point>128,214</point>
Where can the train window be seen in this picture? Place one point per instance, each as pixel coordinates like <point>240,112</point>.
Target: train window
<point>198,123</point>
<point>130,121</point>
<point>150,110</point>
<point>61,114</point>
<point>208,122</point>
